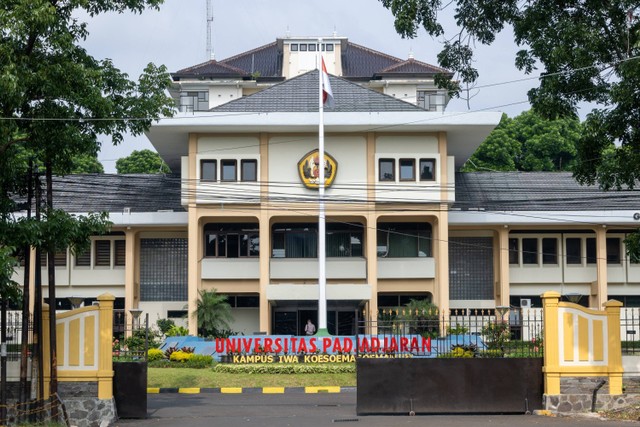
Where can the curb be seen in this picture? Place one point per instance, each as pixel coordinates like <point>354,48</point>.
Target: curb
<point>251,390</point>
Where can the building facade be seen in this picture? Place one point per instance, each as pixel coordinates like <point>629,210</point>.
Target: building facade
<point>402,223</point>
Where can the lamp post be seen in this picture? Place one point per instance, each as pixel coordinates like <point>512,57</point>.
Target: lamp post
<point>135,313</point>
<point>573,297</point>
<point>502,310</point>
<point>75,302</point>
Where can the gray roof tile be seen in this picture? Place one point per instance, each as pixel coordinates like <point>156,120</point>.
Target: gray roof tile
<point>300,94</point>
<point>536,191</point>
<point>113,193</point>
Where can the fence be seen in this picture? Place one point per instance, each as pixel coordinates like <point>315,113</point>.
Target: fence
<point>460,333</point>
<point>14,335</point>
<point>130,335</point>
<point>630,330</point>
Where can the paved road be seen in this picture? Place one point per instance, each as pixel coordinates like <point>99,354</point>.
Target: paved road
<point>299,409</point>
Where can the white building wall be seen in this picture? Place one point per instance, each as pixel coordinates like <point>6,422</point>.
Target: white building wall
<point>219,95</point>
<point>349,152</point>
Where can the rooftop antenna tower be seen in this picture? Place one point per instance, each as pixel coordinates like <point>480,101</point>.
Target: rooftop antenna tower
<point>210,53</point>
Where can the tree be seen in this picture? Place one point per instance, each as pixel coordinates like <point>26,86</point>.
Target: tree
<point>588,51</point>
<point>143,161</point>
<point>213,314</point>
<point>86,163</point>
<point>55,99</point>
<point>528,142</point>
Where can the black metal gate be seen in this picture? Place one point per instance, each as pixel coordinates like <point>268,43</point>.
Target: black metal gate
<point>437,386</point>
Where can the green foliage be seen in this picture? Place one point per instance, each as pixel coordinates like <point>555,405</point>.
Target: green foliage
<point>86,163</point>
<point>165,324</point>
<point>177,331</point>
<point>154,354</point>
<point>213,313</point>
<point>424,318</point>
<point>528,142</point>
<point>286,368</point>
<point>143,161</point>
<point>496,334</point>
<point>586,52</point>
<point>199,361</point>
<point>45,72</point>
<point>457,330</point>
<point>490,354</point>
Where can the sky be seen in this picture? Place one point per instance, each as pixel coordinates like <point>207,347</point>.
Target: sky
<point>176,35</point>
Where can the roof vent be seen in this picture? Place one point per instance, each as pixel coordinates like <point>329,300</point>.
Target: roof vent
<point>126,211</point>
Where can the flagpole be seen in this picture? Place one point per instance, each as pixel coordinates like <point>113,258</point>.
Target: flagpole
<point>322,277</point>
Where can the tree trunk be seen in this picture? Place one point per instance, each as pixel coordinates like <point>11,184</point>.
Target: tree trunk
<point>53,385</point>
<point>24,348</point>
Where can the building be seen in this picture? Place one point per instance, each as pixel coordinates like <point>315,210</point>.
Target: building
<point>402,223</point>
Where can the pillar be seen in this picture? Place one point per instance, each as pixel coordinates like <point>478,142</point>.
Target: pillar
<point>105,358</point>
<point>599,290</point>
<point>503,267</point>
<point>551,368</point>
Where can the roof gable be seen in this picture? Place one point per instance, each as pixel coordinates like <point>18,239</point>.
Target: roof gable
<point>300,94</point>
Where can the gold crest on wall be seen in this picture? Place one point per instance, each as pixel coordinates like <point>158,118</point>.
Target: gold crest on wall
<point>309,170</point>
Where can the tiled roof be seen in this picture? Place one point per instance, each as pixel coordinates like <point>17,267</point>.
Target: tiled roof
<point>358,63</point>
<point>113,193</point>
<point>300,94</point>
<point>536,191</point>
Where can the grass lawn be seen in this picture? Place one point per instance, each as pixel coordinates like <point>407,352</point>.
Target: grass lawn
<point>205,378</point>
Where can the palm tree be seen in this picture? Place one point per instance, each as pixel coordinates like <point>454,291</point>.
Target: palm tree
<point>213,313</point>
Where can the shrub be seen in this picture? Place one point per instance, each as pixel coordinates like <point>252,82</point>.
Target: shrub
<point>490,354</point>
<point>177,331</point>
<point>165,325</point>
<point>199,361</point>
<point>180,356</point>
<point>457,330</point>
<point>154,354</point>
<point>291,368</point>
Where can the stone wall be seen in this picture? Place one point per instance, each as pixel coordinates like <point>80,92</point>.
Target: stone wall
<point>84,409</point>
<point>575,403</point>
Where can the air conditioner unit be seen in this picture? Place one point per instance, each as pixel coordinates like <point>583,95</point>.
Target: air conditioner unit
<point>525,303</point>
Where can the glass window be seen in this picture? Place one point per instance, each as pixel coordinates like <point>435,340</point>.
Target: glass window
<point>209,170</point>
<point>249,170</point>
<point>83,259</point>
<point>387,170</point>
<point>60,259</point>
<point>312,47</point>
<point>329,47</point>
<point>294,47</point>
<point>404,240</point>
<point>427,169</point>
<point>514,251</point>
<point>102,254</point>
<point>530,251</point>
<point>228,170</point>
<point>550,250</point>
<point>592,252</point>
<point>303,47</point>
<point>344,240</point>
<point>120,253</point>
<point>231,240</point>
<point>613,250</point>
<point>574,250</point>
<point>407,170</point>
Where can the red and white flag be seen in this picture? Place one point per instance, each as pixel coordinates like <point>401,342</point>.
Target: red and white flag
<point>327,94</point>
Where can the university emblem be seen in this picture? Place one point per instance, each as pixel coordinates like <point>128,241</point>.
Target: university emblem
<point>309,170</point>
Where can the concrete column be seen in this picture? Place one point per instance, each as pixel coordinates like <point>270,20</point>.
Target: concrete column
<point>131,285</point>
<point>372,265</point>
<point>503,267</point>
<point>194,234</point>
<point>265,235</point>
<point>599,288</point>
<point>441,254</point>
<point>105,358</point>
<point>552,343</point>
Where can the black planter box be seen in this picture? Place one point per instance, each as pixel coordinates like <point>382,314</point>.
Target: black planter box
<point>130,389</point>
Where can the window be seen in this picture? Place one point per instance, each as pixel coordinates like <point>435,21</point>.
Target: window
<point>613,250</point>
<point>294,47</point>
<point>303,47</point>
<point>329,47</point>
<point>530,251</point>
<point>120,253</point>
<point>102,253</point>
<point>387,170</point>
<point>550,251</point>
<point>312,47</point>
<point>228,170</point>
<point>60,259</point>
<point>574,250</point>
<point>209,170</point>
<point>404,240</point>
<point>514,251</point>
<point>301,240</point>
<point>592,252</point>
<point>231,240</point>
<point>249,170</point>
<point>432,100</point>
<point>427,169</point>
<point>83,259</point>
<point>407,170</point>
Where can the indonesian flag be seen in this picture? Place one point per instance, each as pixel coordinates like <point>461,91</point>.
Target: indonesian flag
<point>327,94</point>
